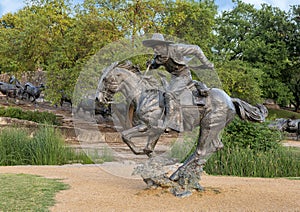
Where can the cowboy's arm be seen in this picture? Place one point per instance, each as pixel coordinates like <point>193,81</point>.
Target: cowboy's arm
<point>196,51</point>
<point>153,64</point>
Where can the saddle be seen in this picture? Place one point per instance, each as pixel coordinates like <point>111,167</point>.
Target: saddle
<point>200,93</point>
<point>194,95</point>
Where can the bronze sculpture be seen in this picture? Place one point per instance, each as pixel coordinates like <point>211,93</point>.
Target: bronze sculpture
<point>144,101</point>
<point>287,125</point>
<point>173,57</point>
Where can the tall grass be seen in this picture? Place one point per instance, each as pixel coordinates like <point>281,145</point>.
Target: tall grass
<point>45,147</point>
<point>13,146</point>
<point>182,148</point>
<point>245,162</point>
<point>250,150</point>
<point>100,156</point>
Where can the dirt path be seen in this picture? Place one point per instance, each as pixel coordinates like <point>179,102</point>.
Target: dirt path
<point>92,188</point>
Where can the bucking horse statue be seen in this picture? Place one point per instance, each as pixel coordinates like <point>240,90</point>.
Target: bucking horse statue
<point>32,92</point>
<point>146,111</point>
<point>8,90</point>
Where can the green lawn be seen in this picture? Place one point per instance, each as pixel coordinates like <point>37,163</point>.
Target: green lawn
<point>22,192</point>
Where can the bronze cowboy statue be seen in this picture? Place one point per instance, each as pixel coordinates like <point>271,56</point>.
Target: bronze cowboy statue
<point>146,119</point>
<point>173,57</point>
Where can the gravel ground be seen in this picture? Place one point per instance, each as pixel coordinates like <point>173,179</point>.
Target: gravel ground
<point>98,188</point>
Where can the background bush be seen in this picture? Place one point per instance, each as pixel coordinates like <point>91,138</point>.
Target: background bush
<point>35,116</point>
<point>255,136</point>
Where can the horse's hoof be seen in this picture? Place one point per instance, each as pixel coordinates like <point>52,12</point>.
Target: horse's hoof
<point>125,138</point>
<point>174,176</point>
<point>148,152</point>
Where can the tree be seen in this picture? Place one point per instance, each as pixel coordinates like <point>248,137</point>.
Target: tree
<point>291,76</point>
<point>192,21</point>
<point>240,80</point>
<point>260,38</point>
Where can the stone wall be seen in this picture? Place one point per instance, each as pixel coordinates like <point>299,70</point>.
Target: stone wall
<point>34,77</point>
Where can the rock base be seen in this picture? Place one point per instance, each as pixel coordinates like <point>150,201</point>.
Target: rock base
<point>156,172</point>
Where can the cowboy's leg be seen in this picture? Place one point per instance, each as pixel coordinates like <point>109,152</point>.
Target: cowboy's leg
<point>173,115</point>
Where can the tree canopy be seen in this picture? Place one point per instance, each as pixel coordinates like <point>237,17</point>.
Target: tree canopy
<point>255,51</point>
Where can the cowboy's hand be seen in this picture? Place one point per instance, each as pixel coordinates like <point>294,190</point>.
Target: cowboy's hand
<point>149,63</point>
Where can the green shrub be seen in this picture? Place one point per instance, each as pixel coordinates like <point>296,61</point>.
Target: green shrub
<point>279,113</point>
<point>256,136</point>
<point>35,116</point>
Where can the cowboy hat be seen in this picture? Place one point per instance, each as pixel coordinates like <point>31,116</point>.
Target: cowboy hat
<point>157,39</point>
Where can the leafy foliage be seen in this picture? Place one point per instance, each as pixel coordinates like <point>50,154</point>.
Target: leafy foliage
<point>262,44</point>
<point>256,136</point>
<point>265,39</point>
<point>240,80</point>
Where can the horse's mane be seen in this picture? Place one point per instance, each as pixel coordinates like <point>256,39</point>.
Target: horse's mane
<point>149,81</point>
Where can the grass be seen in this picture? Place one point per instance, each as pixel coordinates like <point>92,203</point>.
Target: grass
<point>100,156</point>
<point>181,149</point>
<point>281,162</point>
<point>44,147</point>
<point>280,113</point>
<point>251,150</point>
<point>22,192</point>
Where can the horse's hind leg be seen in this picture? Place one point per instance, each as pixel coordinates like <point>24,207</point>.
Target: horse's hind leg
<point>211,126</point>
<point>209,140</point>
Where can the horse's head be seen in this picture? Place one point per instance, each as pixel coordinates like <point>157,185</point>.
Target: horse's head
<point>12,79</point>
<point>42,86</point>
<point>116,79</point>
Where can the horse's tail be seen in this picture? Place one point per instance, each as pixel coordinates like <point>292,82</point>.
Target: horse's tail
<point>249,112</point>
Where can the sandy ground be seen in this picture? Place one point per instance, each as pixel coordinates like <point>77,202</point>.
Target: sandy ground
<point>95,188</point>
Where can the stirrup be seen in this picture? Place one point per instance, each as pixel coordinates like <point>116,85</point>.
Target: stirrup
<point>199,101</point>
<point>142,128</point>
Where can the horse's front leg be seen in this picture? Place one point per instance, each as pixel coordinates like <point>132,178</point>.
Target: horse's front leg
<point>127,137</point>
<point>153,137</point>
